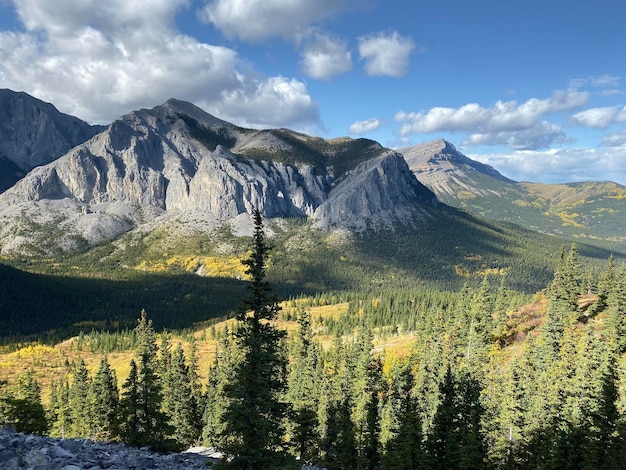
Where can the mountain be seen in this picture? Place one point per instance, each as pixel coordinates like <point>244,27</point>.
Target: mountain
<point>177,162</point>
<point>590,211</point>
<point>34,133</point>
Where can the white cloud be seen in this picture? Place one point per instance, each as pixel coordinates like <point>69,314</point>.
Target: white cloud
<point>558,165</point>
<point>615,139</point>
<point>98,60</point>
<point>520,125</point>
<point>363,127</point>
<point>325,56</point>
<point>601,118</point>
<point>255,20</point>
<point>288,101</point>
<point>541,135</point>
<point>386,53</point>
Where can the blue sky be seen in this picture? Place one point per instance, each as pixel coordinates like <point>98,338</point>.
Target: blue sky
<point>534,88</point>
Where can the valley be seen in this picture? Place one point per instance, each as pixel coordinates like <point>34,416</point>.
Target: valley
<point>413,297</point>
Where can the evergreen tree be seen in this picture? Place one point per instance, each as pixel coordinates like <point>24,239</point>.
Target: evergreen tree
<point>254,415</point>
<point>216,400</point>
<point>60,414</point>
<point>303,391</point>
<point>104,403</point>
<point>20,405</point>
<point>145,422</point>
<point>404,451</point>
<point>130,406</point>
<point>184,415</point>
<point>79,402</point>
<point>455,440</point>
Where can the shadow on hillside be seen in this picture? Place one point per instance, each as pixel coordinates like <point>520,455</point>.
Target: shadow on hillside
<point>455,247</point>
<point>56,307</point>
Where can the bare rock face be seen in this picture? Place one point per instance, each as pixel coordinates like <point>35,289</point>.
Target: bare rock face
<point>173,161</point>
<point>446,171</point>
<point>34,133</point>
<point>379,191</point>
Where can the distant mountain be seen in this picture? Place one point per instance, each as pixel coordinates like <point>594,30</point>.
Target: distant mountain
<point>34,133</point>
<point>176,161</point>
<point>590,210</point>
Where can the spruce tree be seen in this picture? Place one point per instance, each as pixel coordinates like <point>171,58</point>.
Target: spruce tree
<point>255,412</point>
<point>104,403</point>
<point>79,402</point>
<point>404,451</point>
<point>184,414</point>
<point>145,422</point>
<point>20,405</point>
<point>303,391</point>
<point>130,408</point>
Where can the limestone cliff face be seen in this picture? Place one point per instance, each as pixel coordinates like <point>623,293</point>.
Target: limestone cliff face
<point>34,133</point>
<point>147,165</point>
<point>382,190</point>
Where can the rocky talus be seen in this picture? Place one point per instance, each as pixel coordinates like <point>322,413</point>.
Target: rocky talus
<point>24,451</point>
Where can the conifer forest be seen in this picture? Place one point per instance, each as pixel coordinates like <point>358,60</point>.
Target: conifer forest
<point>491,379</point>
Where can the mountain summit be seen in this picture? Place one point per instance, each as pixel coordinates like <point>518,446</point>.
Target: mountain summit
<point>175,161</point>
<point>447,171</point>
<point>580,210</point>
<point>34,133</point>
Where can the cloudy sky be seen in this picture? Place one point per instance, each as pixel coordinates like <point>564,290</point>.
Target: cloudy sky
<point>534,88</point>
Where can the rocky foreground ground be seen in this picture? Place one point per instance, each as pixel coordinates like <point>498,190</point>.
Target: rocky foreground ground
<point>23,451</point>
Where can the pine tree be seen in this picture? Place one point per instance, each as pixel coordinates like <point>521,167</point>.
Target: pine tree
<point>79,402</point>
<point>104,403</point>
<point>404,451</point>
<point>254,416</point>
<point>145,422</point>
<point>303,391</point>
<point>184,415</point>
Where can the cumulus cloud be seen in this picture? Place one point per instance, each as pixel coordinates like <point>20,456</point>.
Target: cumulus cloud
<point>288,101</point>
<point>519,125</point>
<point>541,135</point>
<point>98,60</point>
<point>557,165</point>
<point>385,54</point>
<point>363,127</point>
<point>256,20</point>
<point>600,118</point>
<point>324,57</point>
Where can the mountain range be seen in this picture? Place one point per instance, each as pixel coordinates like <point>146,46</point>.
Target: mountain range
<point>171,189</point>
<point>177,162</point>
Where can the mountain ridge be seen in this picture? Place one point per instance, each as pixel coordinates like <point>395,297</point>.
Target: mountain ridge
<point>175,159</point>
<point>584,210</point>
<point>34,133</point>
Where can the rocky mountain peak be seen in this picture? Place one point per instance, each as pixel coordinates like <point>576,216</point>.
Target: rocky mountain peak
<point>446,171</point>
<point>34,133</point>
<point>177,162</point>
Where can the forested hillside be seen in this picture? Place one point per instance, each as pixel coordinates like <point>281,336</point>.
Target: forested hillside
<point>479,377</point>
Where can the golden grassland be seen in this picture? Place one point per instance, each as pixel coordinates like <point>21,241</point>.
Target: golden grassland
<point>51,363</point>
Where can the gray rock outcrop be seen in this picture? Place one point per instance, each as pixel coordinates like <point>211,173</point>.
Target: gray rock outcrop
<point>24,451</point>
<point>34,133</point>
<point>177,161</point>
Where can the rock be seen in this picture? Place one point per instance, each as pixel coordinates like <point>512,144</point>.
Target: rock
<point>37,459</point>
